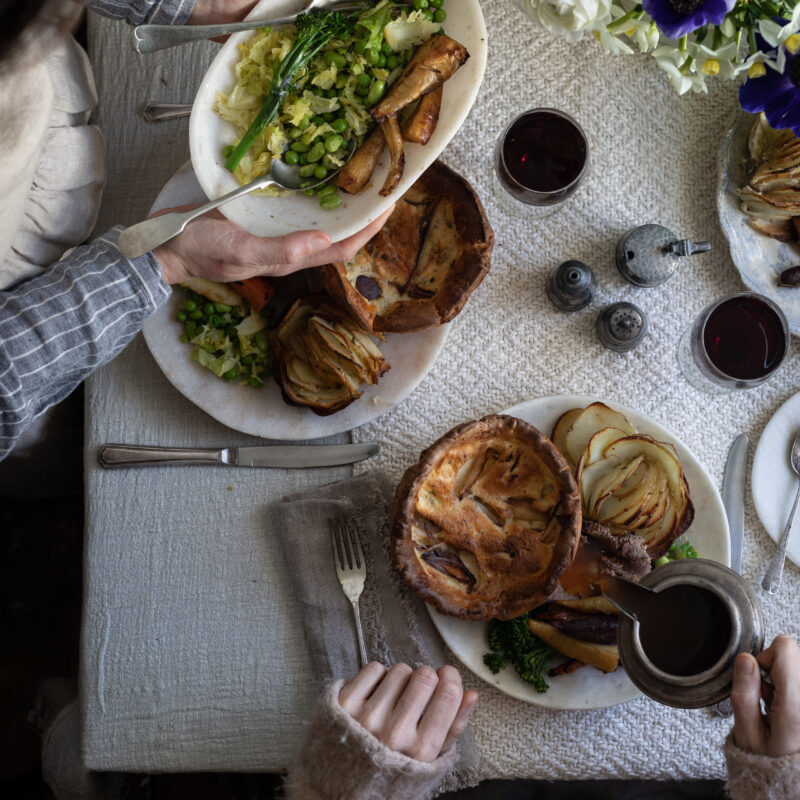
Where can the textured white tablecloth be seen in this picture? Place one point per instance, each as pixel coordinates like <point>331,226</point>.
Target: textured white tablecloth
<point>191,657</point>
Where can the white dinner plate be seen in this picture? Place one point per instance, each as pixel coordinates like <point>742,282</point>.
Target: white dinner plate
<point>269,216</point>
<point>772,481</point>
<point>588,688</point>
<point>262,412</point>
<point>759,258</point>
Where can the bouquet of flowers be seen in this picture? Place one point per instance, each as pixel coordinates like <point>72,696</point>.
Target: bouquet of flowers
<point>692,40</point>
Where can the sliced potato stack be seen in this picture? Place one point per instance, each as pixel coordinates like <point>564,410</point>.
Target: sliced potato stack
<point>322,356</point>
<point>629,482</point>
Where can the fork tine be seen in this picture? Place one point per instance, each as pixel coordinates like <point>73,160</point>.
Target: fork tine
<point>344,533</point>
<point>357,550</point>
<point>338,558</point>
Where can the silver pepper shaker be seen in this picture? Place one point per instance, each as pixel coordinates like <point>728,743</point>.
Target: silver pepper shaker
<point>649,255</point>
<point>571,286</point>
<point>621,326</point>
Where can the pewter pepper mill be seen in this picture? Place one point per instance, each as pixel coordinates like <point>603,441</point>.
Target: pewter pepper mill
<point>648,255</point>
<point>571,286</point>
<point>621,326</point>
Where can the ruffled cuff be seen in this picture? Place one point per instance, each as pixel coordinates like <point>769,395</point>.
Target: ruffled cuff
<point>139,12</point>
<point>751,776</point>
<point>341,759</point>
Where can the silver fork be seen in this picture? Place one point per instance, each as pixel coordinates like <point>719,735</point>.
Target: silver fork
<point>351,569</point>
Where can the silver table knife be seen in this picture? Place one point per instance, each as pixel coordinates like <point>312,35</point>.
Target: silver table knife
<point>286,456</point>
<point>733,490</point>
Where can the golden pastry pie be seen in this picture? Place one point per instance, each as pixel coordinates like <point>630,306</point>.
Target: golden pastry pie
<point>487,520</point>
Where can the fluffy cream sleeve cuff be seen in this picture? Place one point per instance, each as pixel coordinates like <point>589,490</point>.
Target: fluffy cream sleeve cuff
<point>753,777</point>
<point>341,760</point>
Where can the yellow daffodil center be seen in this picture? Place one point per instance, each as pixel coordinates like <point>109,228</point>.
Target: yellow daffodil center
<point>792,44</point>
<point>757,71</point>
<point>711,67</point>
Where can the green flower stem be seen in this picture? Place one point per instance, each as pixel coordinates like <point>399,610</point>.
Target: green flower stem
<point>686,66</point>
<point>682,43</point>
<point>716,38</point>
<point>751,40</point>
<point>739,35</point>
<point>635,13</point>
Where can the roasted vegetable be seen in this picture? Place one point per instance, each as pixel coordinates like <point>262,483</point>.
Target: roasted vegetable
<point>511,642</point>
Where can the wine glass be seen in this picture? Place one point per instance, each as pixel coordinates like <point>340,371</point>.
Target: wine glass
<point>737,342</point>
<point>540,160</point>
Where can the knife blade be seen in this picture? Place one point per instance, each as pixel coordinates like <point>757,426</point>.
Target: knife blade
<point>733,489</point>
<point>286,456</point>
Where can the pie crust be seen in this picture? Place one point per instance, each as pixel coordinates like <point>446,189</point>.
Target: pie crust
<point>486,522</point>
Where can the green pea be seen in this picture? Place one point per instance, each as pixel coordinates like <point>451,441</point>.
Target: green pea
<point>331,57</point>
<point>291,157</point>
<point>381,62</point>
<point>316,152</point>
<point>376,92</point>
<point>309,192</point>
<point>428,14</point>
<point>307,170</point>
<point>341,81</point>
<point>247,360</point>
<point>304,123</point>
<point>393,62</point>
<point>190,305</point>
<point>299,147</point>
<point>182,316</point>
<point>221,308</point>
<point>208,309</point>
<point>439,15</point>
<point>254,382</point>
<point>418,4</point>
<point>330,116</point>
<point>326,190</point>
<point>303,159</point>
<point>333,142</point>
<point>372,56</point>
<point>295,133</point>
<point>245,374</point>
<point>232,333</point>
<point>185,338</point>
<point>386,49</point>
<point>231,375</point>
<point>330,93</point>
<point>215,322</point>
<point>195,315</point>
<point>360,46</point>
<point>659,562</point>
<point>339,125</point>
<point>331,201</point>
<point>307,137</point>
<point>191,329</point>
<point>436,3</point>
<point>318,119</point>
<point>261,340</point>
<point>320,172</point>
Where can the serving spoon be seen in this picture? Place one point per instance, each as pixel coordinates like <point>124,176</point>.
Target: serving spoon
<point>774,573</point>
<point>150,38</point>
<point>145,236</point>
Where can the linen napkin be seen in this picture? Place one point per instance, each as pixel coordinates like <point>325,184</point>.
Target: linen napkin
<point>395,623</point>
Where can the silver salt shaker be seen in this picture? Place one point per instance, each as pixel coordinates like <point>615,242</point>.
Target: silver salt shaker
<point>621,326</point>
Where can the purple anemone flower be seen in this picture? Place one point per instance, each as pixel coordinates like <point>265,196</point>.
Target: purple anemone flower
<point>777,94</point>
<point>676,18</point>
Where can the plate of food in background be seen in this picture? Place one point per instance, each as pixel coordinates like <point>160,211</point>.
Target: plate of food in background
<point>328,349</point>
<point>758,203</point>
<point>505,525</point>
<point>392,87</point>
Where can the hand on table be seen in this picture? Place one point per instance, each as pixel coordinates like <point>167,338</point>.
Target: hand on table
<point>213,247</point>
<point>419,713</point>
<point>211,12</point>
<point>778,733</point>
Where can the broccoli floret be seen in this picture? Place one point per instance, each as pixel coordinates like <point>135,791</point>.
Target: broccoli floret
<point>373,22</point>
<point>681,551</point>
<point>495,661</point>
<point>511,642</point>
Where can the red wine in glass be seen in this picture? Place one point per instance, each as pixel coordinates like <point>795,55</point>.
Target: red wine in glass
<point>542,157</point>
<point>740,341</point>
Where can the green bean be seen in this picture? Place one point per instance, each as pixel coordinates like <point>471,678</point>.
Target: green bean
<point>326,190</point>
<point>376,92</point>
<point>320,172</point>
<point>291,157</point>
<point>334,141</point>
<point>295,133</point>
<point>316,152</point>
<point>300,147</point>
<point>330,201</point>
<point>182,316</point>
<point>331,57</point>
<point>307,137</point>
<point>307,170</point>
<point>339,125</point>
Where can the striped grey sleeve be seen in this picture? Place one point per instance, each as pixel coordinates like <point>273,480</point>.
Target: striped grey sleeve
<point>139,12</point>
<point>58,327</point>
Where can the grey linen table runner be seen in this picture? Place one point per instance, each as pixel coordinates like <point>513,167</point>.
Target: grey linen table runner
<point>396,625</point>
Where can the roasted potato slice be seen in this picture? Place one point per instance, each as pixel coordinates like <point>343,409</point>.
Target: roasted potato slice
<point>592,419</point>
<point>356,173</point>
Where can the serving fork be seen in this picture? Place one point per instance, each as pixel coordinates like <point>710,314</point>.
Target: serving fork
<point>351,569</point>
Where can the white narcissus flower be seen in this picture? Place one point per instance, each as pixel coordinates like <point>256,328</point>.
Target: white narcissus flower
<point>671,60</point>
<point>569,18</point>
<point>776,34</point>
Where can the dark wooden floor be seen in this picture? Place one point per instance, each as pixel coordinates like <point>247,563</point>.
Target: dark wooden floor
<point>40,596</point>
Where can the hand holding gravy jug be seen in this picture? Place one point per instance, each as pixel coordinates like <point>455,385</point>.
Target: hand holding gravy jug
<point>682,627</point>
